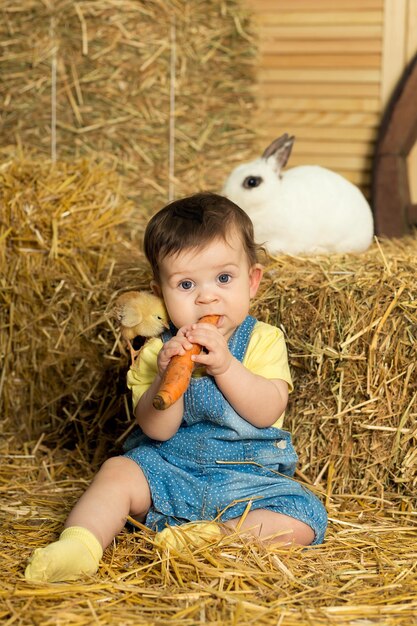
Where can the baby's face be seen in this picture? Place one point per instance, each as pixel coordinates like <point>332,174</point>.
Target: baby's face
<point>216,279</point>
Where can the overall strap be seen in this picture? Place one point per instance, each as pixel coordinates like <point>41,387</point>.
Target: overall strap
<point>238,342</point>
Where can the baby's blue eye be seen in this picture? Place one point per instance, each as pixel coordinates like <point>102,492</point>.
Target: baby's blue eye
<point>186,284</point>
<point>224,278</point>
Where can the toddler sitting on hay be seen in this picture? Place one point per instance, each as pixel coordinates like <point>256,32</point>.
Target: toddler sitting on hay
<point>220,448</point>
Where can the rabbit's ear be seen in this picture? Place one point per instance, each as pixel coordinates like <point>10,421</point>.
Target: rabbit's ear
<point>280,149</point>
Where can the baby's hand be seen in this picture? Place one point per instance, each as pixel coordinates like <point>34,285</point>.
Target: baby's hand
<point>177,345</point>
<point>217,357</point>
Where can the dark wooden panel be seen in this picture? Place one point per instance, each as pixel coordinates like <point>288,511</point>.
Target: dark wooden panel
<point>394,213</point>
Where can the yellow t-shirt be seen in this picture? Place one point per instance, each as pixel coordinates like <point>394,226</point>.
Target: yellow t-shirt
<point>266,355</point>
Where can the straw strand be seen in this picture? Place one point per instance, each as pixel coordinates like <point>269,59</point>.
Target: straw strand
<point>53,90</point>
<point>172,86</point>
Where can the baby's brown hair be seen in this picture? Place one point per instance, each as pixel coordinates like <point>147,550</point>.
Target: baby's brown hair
<point>195,221</point>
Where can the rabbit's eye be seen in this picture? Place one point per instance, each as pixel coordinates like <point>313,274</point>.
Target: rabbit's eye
<point>252,181</point>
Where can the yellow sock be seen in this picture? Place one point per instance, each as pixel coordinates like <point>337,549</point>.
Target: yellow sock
<point>76,552</point>
<point>194,534</point>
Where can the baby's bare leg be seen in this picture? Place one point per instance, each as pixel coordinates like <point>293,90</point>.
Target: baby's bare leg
<point>119,488</point>
<point>268,526</point>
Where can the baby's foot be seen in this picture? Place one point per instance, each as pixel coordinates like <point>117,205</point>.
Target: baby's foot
<point>77,552</point>
<point>194,535</point>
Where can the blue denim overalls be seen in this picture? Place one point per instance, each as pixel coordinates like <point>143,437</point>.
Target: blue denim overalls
<point>217,462</point>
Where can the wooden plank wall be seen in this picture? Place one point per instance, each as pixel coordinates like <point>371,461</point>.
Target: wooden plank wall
<point>325,71</point>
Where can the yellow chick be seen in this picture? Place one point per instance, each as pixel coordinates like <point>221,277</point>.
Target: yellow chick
<point>140,313</point>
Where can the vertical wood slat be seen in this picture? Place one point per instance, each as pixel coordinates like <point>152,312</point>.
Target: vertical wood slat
<point>411,43</point>
<point>393,51</point>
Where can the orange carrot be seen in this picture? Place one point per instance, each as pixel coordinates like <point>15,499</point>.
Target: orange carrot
<point>177,375</point>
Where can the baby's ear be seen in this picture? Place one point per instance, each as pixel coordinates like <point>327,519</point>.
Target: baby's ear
<point>155,288</point>
<point>255,277</point>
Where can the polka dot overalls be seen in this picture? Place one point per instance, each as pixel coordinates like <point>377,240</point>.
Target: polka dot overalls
<point>217,462</point>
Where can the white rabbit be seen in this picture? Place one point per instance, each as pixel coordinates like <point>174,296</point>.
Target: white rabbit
<point>307,209</point>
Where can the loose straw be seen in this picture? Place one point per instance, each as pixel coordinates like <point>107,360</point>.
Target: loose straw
<point>53,91</point>
<point>172,112</point>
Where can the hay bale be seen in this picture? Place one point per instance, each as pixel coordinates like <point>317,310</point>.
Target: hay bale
<point>350,321</point>
<point>351,326</point>
<point>60,230</point>
<point>112,86</point>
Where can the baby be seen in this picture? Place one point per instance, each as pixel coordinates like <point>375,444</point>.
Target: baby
<point>217,459</point>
